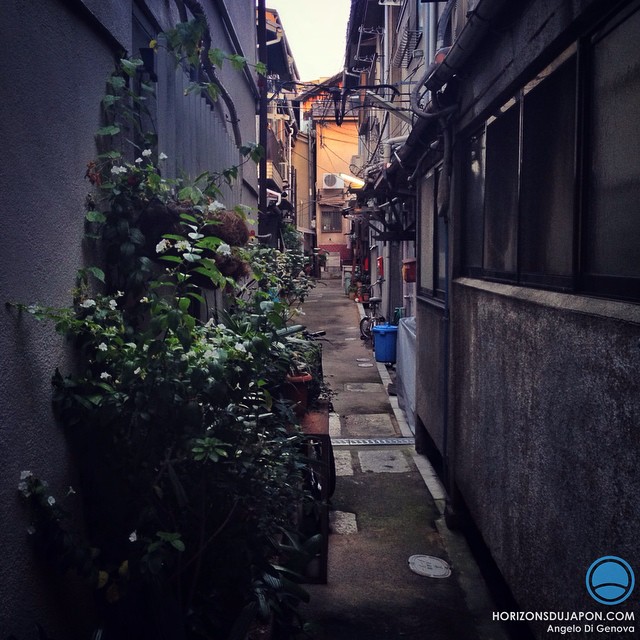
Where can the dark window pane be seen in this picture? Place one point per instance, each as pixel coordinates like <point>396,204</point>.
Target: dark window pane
<point>441,267</point>
<point>427,214</point>
<point>473,228</point>
<point>548,174</point>
<point>500,231</point>
<point>613,242</point>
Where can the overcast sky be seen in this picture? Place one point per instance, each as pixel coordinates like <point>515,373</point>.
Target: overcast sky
<point>315,30</point>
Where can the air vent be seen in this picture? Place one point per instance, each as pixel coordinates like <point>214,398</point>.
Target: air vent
<point>332,181</point>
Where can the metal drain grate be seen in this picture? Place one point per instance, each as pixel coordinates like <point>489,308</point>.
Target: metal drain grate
<point>359,442</point>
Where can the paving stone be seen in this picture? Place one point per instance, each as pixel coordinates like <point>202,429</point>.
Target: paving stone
<point>364,387</point>
<point>383,461</point>
<point>344,463</point>
<point>367,425</point>
<point>343,523</point>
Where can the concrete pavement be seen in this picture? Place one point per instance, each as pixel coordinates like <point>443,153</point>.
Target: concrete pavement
<point>388,506</point>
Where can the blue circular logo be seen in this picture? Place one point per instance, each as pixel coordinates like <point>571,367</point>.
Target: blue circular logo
<point>610,580</point>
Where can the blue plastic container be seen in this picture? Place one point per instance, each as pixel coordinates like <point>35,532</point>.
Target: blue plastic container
<point>384,339</point>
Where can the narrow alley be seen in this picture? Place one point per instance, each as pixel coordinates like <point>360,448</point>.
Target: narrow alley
<point>383,512</point>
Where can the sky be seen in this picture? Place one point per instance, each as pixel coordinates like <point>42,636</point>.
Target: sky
<point>315,30</point>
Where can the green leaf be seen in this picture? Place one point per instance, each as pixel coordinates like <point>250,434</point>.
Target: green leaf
<point>261,68</point>
<point>171,259</point>
<point>213,91</point>
<point>130,66</point>
<point>177,544</point>
<point>188,218</point>
<point>210,242</point>
<point>108,131</point>
<point>97,273</point>
<point>117,82</point>
<point>216,57</point>
<point>110,99</point>
<point>193,87</point>
<point>95,216</point>
<point>197,296</point>
<point>237,62</point>
<point>183,304</point>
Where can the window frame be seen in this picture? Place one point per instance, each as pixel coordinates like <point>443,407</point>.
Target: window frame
<point>574,278</point>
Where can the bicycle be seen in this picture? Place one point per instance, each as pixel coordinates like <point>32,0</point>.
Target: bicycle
<point>372,316</point>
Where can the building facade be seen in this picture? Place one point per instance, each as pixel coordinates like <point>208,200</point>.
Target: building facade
<point>521,159</point>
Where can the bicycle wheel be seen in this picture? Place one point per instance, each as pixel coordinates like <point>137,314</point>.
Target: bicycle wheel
<point>365,328</point>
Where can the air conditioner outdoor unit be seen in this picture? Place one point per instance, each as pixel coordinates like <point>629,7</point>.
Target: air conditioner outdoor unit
<point>332,181</point>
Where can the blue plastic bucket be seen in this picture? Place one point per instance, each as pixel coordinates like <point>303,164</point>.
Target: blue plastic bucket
<point>385,336</point>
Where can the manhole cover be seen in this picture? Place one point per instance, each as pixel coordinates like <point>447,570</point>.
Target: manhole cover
<point>429,566</point>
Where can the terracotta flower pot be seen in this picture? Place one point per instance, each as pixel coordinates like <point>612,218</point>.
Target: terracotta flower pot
<point>296,389</point>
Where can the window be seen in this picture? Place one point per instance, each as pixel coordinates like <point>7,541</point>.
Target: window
<point>474,180</point>
<point>548,175</point>
<point>331,220</point>
<point>612,181</point>
<point>501,195</point>
<point>552,179</point>
<point>432,230</point>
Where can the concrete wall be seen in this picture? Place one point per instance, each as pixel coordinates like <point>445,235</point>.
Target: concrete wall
<point>58,56</point>
<point>53,85</point>
<point>546,412</point>
<point>544,393</point>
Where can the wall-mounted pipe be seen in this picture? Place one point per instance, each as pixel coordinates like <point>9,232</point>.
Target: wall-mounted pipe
<point>476,28</point>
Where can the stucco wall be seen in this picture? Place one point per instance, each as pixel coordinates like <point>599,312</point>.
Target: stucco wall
<point>546,445</point>
<point>53,84</point>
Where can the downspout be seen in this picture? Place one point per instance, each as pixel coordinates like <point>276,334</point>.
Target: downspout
<point>443,212</point>
<point>475,29</point>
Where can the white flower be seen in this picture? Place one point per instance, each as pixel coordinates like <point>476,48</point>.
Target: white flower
<point>31,530</point>
<point>105,376</point>
<point>138,160</point>
<point>224,249</point>
<point>215,206</point>
<point>25,475</point>
<point>163,156</point>
<point>183,245</point>
<point>146,153</point>
<point>137,371</point>
<point>71,491</point>
<point>113,305</point>
<point>162,246</point>
<point>102,346</point>
<point>240,347</point>
<point>119,294</point>
<point>51,501</point>
<point>88,303</point>
<point>118,170</point>
<point>133,536</point>
<point>144,300</point>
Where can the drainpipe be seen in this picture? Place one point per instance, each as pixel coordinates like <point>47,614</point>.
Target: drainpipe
<point>476,28</point>
<point>430,54</point>
<point>443,212</point>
